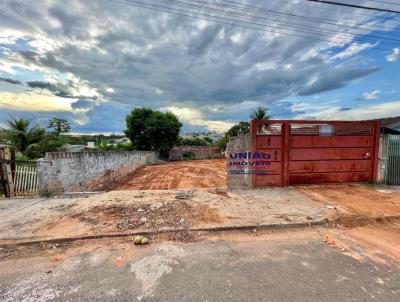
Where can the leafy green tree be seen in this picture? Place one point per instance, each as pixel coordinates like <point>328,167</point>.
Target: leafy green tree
<point>238,128</point>
<point>221,143</point>
<point>208,141</point>
<point>59,125</point>
<point>49,142</point>
<point>32,142</point>
<point>4,137</point>
<point>152,130</point>
<point>235,130</point>
<point>261,113</point>
<point>124,147</point>
<point>22,135</point>
<point>102,145</point>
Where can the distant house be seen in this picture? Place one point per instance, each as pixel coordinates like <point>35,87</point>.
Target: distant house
<point>390,125</point>
<point>116,141</point>
<point>79,148</point>
<point>213,135</point>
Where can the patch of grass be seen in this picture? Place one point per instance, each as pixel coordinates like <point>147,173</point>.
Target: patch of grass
<point>21,157</point>
<point>44,193</point>
<point>372,185</point>
<point>215,155</point>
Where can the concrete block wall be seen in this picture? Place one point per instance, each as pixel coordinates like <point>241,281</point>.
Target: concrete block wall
<point>61,172</point>
<point>241,143</point>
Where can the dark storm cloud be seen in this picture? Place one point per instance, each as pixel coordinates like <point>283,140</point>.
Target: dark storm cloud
<point>61,90</point>
<point>108,117</point>
<point>82,104</point>
<point>205,39</point>
<point>56,89</point>
<point>10,81</point>
<point>335,79</point>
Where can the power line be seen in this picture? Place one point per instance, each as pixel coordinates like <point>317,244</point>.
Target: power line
<point>216,19</point>
<point>303,18</point>
<point>384,2</point>
<point>262,10</point>
<point>346,39</point>
<point>344,10</point>
<point>385,10</point>
<point>326,32</point>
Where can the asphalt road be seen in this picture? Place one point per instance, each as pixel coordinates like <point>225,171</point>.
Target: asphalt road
<point>295,266</point>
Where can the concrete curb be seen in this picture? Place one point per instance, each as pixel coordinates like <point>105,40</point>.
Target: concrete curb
<point>282,226</point>
<point>215,229</point>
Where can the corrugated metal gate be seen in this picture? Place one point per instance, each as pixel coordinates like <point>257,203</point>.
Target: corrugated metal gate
<point>307,152</point>
<point>392,175</point>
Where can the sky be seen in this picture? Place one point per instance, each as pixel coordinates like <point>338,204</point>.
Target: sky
<point>92,62</point>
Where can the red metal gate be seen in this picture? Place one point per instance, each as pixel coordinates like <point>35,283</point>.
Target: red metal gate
<point>308,152</point>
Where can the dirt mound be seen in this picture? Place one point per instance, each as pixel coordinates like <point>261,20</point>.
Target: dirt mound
<point>177,175</point>
<point>149,216</point>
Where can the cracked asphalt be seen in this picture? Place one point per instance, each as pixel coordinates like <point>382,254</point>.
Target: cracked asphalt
<point>270,266</point>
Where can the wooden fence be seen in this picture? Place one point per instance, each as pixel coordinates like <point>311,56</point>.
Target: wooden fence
<point>26,179</point>
<point>19,178</point>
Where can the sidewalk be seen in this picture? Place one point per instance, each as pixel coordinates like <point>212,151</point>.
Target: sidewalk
<point>128,211</point>
<point>120,212</point>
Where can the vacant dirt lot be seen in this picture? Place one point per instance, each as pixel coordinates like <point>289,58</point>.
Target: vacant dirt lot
<point>355,199</point>
<point>209,173</point>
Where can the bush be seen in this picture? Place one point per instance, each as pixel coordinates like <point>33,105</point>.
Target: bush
<point>206,141</point>
<point>21,157</point>
<point>188,155</point>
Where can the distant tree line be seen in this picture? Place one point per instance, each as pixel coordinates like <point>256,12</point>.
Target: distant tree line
<point>195,141</point>
<point>33,141</point>
<point>146,129</point>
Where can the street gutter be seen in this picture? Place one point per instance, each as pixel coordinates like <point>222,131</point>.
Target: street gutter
<point>328,223</point>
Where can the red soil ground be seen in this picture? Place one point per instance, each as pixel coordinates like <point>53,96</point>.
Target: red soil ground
<point>355,198</point>
<point>208,173</point>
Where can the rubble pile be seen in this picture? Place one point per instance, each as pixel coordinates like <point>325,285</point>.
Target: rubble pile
<point>176,213</point>
<point>182,236</point>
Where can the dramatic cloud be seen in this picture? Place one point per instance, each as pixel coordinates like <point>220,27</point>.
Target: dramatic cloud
<point>10,81</point>
<point>367,112</point>
<point>352,50</point>
<point>372,95</point>
<point>82,104</point>
<point>393,56</point>
<point>197,118</point>
<point>96,60</point>
<point>34,102</point>
<point>56,89</point>
<point>335,79</point>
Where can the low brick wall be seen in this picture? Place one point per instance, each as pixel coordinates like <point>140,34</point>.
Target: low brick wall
<point>61,172</point>
<point>200,152</point>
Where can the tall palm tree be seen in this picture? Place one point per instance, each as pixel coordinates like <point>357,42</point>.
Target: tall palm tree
<point>261,113</point>
<point>22,135</point>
